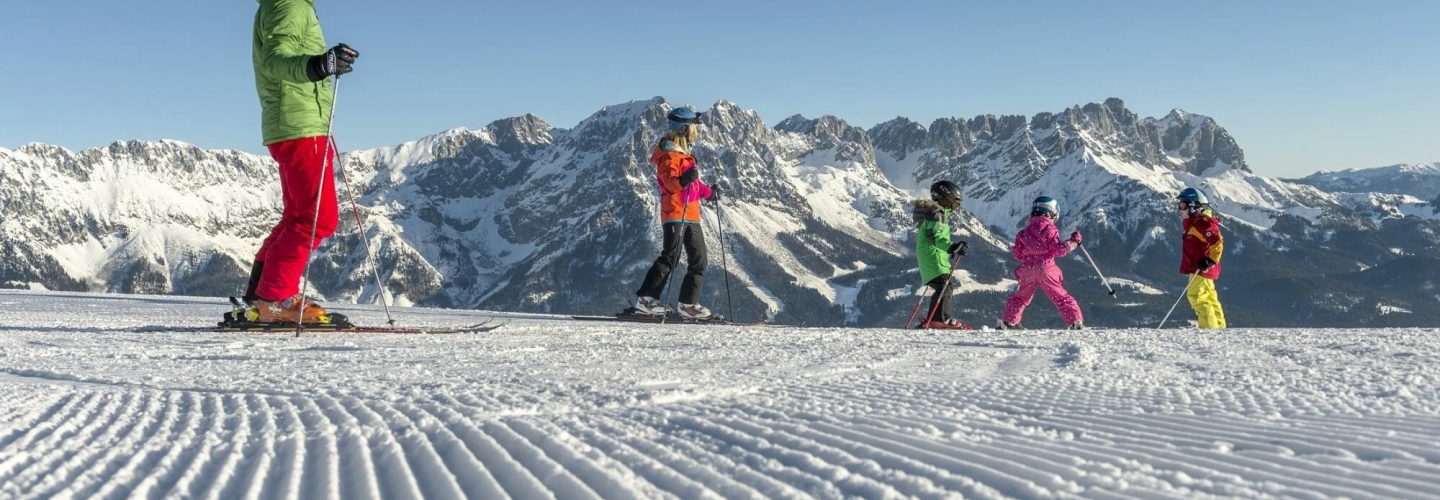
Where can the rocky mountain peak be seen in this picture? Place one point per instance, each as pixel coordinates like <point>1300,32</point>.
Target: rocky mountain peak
<point>899,137</point>
<point>519,131</point>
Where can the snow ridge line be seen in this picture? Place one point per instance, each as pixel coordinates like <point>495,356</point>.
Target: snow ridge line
<point>75,463</point>
<point>469,472</point>
<point>358,479</point>
<point>882,440</point>
<point>1122,441</point>
<point>50,448</point>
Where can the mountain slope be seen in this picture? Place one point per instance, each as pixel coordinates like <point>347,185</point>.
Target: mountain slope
<point>523,216</point>
<point>1115,175</point>
<point>1419,180</point>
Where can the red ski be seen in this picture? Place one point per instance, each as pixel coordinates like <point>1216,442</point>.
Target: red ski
<point>321,328</point>
<point>350,328</point>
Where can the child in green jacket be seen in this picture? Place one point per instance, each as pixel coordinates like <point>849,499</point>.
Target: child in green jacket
<point>936,251</point>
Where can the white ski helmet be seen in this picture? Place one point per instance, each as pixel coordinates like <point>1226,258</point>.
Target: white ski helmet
<point>1045,205</point>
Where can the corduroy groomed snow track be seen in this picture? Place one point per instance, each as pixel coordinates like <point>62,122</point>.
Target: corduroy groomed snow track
<point>546,408</point>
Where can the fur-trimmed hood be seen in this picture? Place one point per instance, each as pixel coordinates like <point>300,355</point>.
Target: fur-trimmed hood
<point>923,210</point>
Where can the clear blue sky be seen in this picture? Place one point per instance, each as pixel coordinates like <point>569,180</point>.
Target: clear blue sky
<point>1302,85</point>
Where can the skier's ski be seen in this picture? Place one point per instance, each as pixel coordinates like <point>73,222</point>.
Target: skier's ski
<point>631,315</point>
<point>235,321</point>
<point>246,326</point>
<point>645,318</point>
<point>322,328</point>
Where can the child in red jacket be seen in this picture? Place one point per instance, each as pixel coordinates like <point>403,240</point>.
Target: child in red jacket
<point>1200,256</point>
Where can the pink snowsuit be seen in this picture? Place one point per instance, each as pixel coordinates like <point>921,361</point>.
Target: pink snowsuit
<point>1036,247</point>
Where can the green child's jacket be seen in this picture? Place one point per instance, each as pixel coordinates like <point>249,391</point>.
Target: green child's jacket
<point>932,239</point>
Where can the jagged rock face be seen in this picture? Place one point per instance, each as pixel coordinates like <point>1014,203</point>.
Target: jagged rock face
<point>152,217</point>
<point>522,216</point>
<point>990,153</point>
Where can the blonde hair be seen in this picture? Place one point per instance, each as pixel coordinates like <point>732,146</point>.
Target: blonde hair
<point>680,138</point>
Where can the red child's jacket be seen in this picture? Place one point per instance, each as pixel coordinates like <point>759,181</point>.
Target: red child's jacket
<point>1202,239</point>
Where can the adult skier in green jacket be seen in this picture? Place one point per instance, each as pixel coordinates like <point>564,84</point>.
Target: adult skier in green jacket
<point>293,70</point>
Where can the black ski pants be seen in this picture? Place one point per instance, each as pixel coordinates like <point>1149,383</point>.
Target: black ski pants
<point>693,240</point>
<point>940,300</point>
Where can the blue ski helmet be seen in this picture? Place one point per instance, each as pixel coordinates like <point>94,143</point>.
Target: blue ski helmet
<point>682,117</point>
<point>1194,197</point>
<point>1045,205</point>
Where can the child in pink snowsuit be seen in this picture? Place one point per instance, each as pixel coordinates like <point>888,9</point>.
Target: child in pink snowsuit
<point>1036,247</point>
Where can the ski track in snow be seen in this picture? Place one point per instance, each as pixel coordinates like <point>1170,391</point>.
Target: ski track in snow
<point>553,409</point>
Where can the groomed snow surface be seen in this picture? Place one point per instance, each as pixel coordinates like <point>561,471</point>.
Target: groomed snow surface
<point>89,407</point>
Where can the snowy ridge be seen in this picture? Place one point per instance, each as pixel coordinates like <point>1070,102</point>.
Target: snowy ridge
<point>75,219</point>
<point>758,412</point>
<point>1115,175</point>
<point>519,215</point>
<point>1419,180</point>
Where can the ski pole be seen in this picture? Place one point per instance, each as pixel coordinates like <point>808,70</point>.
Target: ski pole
<point>724,267</point>
<point>1177,300</point>
<point>666,289</point>
<point>360,227</point>
<point>319,195</point>
<point>915,311</point>
<point>1097,271</point>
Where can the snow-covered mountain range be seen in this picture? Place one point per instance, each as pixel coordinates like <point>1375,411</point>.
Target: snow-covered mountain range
<point>523,216</point>
<point>1421,180</point>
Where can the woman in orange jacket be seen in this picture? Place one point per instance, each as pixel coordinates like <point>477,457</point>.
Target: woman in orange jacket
<point>680,193</point>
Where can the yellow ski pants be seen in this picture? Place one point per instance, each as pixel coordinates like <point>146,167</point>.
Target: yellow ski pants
<point>1206,302</point>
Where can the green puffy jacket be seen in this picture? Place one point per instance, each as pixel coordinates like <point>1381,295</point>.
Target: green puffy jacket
<point>932,239</point>
<point>287,35</point>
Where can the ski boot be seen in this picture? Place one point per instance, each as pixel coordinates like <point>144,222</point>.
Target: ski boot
<point>696,312</point>
<point>1078,325</point>
<point>1002,325</point>
<point>649,306</point>
<point>288,311</point>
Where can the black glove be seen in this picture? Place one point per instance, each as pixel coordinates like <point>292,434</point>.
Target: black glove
<point>959,248</point>
<point>335,61</point>
<point>715,194</point>
<point>689,176</point>
<point>1204,264</point>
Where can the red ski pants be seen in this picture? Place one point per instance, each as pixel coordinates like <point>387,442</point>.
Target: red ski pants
<point>303,176</point>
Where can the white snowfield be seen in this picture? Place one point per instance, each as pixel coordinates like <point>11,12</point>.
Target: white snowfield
<point>553,408</point>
